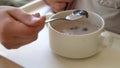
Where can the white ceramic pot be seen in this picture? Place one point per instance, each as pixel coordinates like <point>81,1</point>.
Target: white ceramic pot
<point>76,46</point>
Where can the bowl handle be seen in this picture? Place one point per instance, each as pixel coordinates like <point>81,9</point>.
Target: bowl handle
<point>107,38</point>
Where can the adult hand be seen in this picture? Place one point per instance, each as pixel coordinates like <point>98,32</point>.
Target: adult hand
<point>59,5</point>
<point>18,28</point>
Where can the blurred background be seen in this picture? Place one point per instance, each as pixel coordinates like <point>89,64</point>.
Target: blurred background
<point>15,3</point>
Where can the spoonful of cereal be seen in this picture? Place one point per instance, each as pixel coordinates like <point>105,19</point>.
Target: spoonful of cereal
<point>74,16</point>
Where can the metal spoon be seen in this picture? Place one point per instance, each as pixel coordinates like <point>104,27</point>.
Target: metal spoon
<point>74,16</point>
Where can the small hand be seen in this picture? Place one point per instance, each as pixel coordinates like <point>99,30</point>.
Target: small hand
<point>18,28</point>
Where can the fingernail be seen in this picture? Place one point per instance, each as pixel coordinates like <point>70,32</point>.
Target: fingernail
<point>34,19</point>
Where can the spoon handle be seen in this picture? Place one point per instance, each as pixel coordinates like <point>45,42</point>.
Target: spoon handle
<point>54,19</point>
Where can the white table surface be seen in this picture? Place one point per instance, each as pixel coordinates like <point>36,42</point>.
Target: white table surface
<point>38,54</point>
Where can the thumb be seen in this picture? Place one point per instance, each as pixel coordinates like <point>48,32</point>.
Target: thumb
<point>35,21</point>
<point>21,16</point>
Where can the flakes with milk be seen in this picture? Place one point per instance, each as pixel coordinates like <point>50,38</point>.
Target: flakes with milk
<point>76,27</point>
